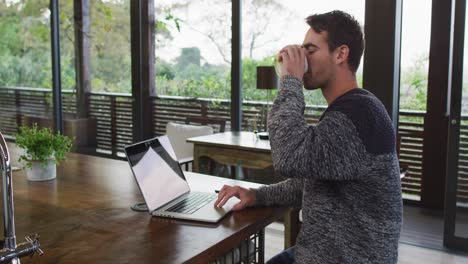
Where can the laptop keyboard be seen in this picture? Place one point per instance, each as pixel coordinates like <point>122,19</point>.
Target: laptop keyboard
<point>192,203</point>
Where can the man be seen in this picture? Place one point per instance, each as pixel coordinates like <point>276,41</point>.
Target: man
<point>343,172</point>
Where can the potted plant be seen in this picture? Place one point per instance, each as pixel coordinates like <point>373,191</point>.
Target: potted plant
<point>43,150</point>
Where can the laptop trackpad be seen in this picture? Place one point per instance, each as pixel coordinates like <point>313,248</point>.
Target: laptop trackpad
<point>214,212</point>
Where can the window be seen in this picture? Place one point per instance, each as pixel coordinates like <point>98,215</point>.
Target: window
<point>25,64</point>
<point>415,43</point>
<point>110,46</point>
<point>416,29</point>
<point>270,25</point>
<point>193,49</point>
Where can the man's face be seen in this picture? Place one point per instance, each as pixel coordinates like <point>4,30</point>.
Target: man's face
<point>320,61</point>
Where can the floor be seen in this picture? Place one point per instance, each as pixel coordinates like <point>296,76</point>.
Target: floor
<point>408,254</point>
<point>420,239</point>
<point>422,227</point>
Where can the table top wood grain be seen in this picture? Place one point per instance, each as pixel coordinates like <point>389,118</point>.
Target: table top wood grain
<point>84,216</point>
<point>237,140</point>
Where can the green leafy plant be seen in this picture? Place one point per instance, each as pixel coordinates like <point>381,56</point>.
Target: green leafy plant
<point>40,144</point>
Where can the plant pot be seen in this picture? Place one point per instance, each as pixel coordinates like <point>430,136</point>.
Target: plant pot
<point>39,172</point>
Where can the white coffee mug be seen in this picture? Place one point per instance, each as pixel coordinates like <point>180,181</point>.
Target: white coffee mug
<point>279,64</point>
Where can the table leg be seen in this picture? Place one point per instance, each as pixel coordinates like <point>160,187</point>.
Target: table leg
<point>261,246</point>
<point>196,159</point>
<point>291,228</point>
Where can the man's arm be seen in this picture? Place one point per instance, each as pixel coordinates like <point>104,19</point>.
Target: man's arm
<point>330,150</point>
<point>285,193</point>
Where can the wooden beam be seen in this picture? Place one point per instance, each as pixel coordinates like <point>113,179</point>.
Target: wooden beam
<point>82,20</point>
<point>236,66</point>
<point>56,72</point>
<point>381,72</point>
<point>142,49</point>
<point>436,121</point>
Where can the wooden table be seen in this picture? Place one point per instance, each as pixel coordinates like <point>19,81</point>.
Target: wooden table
<point>233,149</point>
<point>84,216</point>
<point>240,149</point>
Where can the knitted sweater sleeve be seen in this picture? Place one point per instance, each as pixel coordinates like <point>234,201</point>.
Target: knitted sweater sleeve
<point>330,150</point>
<point>285,193</point>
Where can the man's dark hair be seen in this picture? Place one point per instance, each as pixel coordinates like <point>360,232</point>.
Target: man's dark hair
<point>342,29</point>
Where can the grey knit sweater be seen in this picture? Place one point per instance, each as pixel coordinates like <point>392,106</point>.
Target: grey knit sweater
<point>343,173</point>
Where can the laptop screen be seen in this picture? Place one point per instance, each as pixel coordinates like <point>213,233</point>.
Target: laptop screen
<point>156,171</point>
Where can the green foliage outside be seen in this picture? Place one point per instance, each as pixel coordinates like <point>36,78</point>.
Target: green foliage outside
<point>192,80</point>
<point>25,56</point>
<point>413,86</point>
<point>40,144</point>
<point>24,49</point>
<point>214,81</point>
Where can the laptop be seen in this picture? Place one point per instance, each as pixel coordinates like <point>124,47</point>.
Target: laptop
<point>164,187</point>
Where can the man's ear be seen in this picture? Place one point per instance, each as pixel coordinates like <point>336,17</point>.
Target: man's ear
<point>341,54</point>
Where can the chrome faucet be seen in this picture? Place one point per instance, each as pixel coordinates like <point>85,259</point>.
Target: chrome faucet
<point>12,252</point>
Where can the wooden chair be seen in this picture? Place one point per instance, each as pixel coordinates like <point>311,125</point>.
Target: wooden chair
<point>178,134</point>
<point>219,124</point>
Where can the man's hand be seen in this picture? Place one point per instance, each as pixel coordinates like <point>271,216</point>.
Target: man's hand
<point>292,57</point>
<point>246,196</point>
